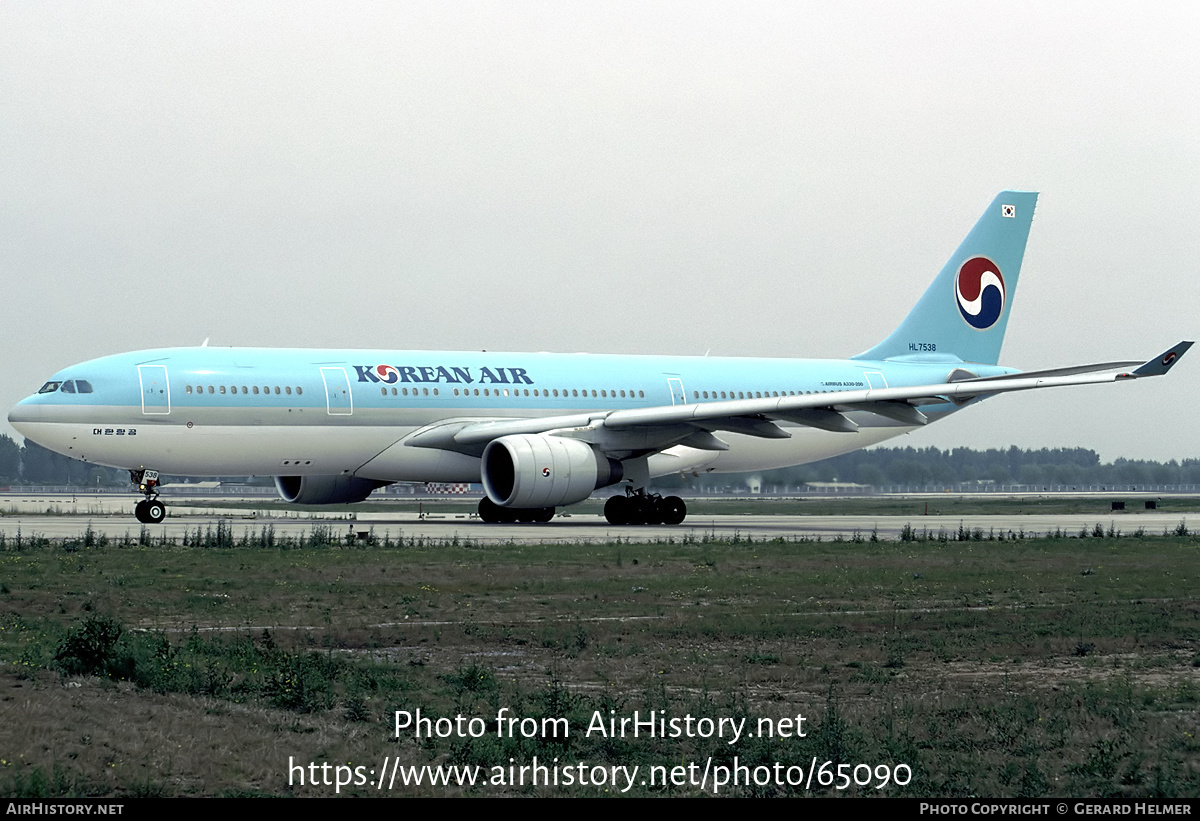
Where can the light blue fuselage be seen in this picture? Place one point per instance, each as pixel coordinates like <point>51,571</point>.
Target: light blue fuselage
<point>215,411</point>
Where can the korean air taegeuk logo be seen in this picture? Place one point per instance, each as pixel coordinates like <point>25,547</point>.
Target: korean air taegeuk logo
<point>979,291</point>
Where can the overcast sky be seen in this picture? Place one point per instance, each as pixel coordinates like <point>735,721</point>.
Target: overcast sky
<point>763,179</point>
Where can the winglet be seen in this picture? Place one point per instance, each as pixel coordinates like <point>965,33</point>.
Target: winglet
<point>1161,364</point>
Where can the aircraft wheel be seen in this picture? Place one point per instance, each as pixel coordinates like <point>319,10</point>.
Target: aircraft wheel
<point>674,510</point>
<point>544,515</point>
<point>155,512</point>
<point>637,510</point>
<point>652,511</point>
<point>140,512</point>
<point>493,514</point>
<point>490,512</point>
<point>617,510</point>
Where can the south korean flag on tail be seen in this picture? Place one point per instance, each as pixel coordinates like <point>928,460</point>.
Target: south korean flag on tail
<point>1009,211</point>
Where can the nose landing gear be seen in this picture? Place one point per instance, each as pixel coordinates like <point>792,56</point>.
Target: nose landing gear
<point>149,511</point>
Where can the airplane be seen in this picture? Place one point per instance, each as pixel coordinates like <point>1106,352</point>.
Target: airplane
<point>546,430</point>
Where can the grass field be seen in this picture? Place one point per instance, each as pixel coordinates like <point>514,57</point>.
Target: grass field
<point>1018,667</point>
<point>946,504</point>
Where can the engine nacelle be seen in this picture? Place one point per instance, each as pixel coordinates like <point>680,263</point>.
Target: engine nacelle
<point>535,470</point>
<point>325,490</point>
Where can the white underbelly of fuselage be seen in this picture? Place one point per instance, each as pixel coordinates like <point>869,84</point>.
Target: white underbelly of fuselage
<point>378,451</point>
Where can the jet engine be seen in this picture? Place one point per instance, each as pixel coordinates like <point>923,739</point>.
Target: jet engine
<point>325,490</point>
<point>536,470</point>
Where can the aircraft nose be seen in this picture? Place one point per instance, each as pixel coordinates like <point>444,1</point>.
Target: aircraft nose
<point>24,414</point>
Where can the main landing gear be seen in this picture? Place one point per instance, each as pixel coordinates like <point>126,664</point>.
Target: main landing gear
<point>492,513</point>
<point>149,511</point>
<point>642,508</point>
<point>636,508</point>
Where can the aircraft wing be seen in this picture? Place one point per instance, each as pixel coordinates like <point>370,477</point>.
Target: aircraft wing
<point>651,429</point>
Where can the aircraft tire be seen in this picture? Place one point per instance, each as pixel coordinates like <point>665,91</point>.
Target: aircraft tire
<point>544,514</point>
<point>489,511</point>
<point>493,514</point>
<point>140,512</point>
<point>617,510</point>
<point>674,511</point>
<point>155,512</point>
<point>651,511</point>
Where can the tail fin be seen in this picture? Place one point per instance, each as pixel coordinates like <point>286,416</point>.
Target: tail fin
<point>965,311</point>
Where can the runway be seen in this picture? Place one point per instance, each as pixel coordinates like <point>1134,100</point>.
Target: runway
<point>63,518</point>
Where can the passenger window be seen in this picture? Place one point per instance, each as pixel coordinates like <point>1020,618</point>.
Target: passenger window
<point>256,390</point>
<point>277,390</point>
<point>189,388</point>
<point>289,390</point>
<point>300,391</point>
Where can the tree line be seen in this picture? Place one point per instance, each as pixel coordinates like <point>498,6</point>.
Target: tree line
<point>32,464</point>
<point>1061,467</point>
<point>934,467</point>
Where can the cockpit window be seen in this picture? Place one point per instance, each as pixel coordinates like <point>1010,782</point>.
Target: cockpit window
<point>68,386</point>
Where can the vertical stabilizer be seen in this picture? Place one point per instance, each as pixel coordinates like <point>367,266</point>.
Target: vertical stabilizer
<point>965,311</point>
